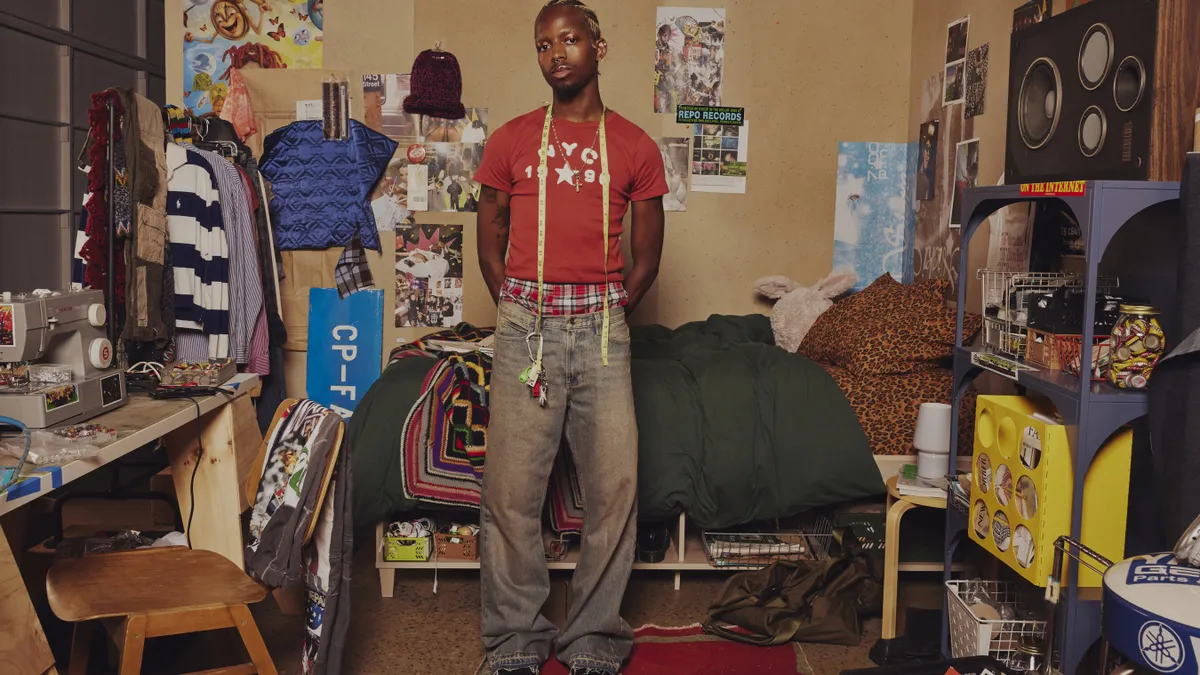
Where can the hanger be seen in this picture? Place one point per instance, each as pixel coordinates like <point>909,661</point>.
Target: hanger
<point>437,46</point>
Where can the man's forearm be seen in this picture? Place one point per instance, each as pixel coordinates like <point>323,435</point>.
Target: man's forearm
<point>493,274</point>
<point>639,280</point>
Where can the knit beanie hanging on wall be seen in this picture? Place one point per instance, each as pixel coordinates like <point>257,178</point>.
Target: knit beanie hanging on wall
<point>436,86</point>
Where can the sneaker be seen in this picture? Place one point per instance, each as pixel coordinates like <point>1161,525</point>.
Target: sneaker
<point>517,671</point>
<point>579,670</point>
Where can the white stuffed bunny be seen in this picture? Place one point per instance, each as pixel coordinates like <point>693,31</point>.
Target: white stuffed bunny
<point>798,307</point>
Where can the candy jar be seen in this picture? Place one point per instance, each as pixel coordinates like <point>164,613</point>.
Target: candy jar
<point>1137,344</point>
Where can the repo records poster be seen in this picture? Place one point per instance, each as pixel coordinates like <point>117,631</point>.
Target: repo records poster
<point>219,35</point>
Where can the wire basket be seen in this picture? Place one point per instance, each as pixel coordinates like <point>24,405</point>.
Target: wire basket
<point>971,635</point>
<point>1070,351</point>
<point>755,550</point>
<point>1006,298</point>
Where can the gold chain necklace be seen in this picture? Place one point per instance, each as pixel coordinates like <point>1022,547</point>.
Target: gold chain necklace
<point>576,179</point>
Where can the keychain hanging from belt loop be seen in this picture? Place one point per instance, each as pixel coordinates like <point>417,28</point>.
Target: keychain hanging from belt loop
<point>535,374</point>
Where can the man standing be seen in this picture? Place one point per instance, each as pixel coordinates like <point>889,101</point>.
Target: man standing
<point>561,365</point>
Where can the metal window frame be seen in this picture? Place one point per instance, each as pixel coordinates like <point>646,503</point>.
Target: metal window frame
<point>68,45</point>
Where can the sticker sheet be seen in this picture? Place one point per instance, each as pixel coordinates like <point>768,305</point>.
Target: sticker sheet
<point>675,155</point>
<point>689,57</point>
<point>873,217</point>
<point>219,35</point>
<point>429,275</point>
<point>977,71</point>
<point>719,157</point>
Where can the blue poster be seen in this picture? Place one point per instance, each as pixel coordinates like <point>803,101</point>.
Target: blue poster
<point>345,346</point>
<point>874,220</point>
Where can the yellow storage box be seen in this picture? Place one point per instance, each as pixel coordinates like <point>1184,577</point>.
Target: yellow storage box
<point>1022,486</point>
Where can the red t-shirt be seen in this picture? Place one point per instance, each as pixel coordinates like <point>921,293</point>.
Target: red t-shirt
<point>574,220</point>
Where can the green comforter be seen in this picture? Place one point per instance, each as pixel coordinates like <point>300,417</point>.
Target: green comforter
<point>731,429</point>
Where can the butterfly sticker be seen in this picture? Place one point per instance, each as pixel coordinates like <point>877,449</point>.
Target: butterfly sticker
<point>303,16</point>
<point>301,37</point>
<point>274,21</point>
<point>278,34</point>
<point>203,28</point>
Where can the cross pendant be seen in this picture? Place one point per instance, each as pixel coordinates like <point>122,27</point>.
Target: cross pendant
<point>578,182</point>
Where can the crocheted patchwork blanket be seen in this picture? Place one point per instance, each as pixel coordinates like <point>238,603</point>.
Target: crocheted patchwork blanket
<point>445,432</point>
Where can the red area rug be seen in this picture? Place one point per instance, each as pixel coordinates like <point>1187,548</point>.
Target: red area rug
<point>690,651</point>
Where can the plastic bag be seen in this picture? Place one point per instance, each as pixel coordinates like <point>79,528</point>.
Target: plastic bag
<point>46,447</point>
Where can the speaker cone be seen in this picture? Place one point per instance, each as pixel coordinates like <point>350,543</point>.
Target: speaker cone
<point>1093,128</point>
<point>1129,84</point>
<point>1039,102</point>
<point>1095,56</point>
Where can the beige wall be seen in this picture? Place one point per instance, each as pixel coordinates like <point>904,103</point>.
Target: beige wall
<point>810,74</point>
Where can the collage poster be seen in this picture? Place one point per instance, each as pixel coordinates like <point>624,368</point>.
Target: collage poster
<point>453,150</point>
<point>689,57</point>
<point>873,218</point>
<point>219,35</point>
<point>719,155</point>
<point>675,163</point>
<point>429,275</point>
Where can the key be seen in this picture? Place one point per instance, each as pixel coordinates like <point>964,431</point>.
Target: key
<point>542,390</point>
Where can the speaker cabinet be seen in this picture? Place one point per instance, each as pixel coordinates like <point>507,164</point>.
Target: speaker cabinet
<point>1107,90</point>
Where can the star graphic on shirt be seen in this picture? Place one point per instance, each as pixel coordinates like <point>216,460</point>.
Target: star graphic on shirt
<point>565,175</point>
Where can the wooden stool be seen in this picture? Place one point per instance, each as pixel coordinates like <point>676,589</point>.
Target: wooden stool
<point>153,593</point>
<point>897,506</point>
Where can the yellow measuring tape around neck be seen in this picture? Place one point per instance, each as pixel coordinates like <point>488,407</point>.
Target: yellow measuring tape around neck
<point>542,172</point>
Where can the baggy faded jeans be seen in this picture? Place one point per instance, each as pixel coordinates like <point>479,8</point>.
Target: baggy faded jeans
<point>592,405</point>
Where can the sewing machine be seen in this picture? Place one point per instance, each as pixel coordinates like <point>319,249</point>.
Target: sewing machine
<point>55,360</point>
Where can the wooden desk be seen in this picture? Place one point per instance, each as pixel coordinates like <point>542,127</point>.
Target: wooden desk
<point>229,431</point>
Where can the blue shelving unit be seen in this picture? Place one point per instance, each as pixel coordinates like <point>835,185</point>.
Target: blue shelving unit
<point>1092,411</point>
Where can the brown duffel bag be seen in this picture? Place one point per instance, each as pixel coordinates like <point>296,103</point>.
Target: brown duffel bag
<point>802,601</point>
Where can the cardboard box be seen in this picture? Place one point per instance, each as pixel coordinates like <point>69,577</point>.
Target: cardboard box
<point>1041,350</point>
<point>406,549</point>
<point>456,547</point>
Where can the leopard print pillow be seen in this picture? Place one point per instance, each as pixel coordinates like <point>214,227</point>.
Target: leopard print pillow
<point>888,328</point>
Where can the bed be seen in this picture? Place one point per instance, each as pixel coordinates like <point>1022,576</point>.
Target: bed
<point>732,429</point>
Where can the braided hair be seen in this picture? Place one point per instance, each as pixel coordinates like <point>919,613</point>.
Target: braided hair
<point>589,15</point>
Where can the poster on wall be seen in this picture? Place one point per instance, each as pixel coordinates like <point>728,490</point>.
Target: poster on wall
<point>936,246</point>
<point>927,144</point>
<point>1031,13</point>
<point>956,59</point>
<point>977,70</point>
<point>966,172</point>
<point>689,57</point>
<point>429,275</point>
<point>719,155</point>
<point>383,106</point>
<point>873,216</point>
<point>220,35</point>
<point>1010,235</point>
<point>675,159</point>
<point>345,345</point>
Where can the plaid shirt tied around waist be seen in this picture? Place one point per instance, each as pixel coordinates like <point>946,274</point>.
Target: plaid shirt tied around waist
<point>564,299</point>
